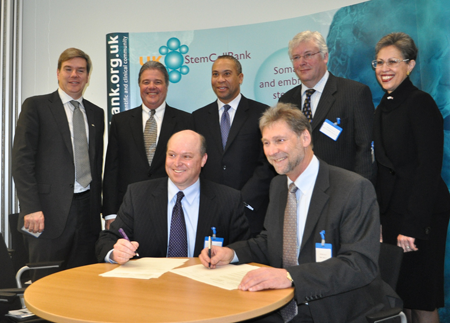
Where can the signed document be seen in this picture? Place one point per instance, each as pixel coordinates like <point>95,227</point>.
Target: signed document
<point>145,268</point>
<point>226,277</point>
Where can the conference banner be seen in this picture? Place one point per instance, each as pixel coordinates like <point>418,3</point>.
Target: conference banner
<point>351,33</point>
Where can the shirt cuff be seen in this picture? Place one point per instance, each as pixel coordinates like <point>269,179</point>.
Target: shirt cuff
<point>110,217</point>
<point>108,257</point>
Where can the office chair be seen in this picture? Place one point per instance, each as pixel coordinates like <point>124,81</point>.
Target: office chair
<point>11,291</point>
<point>19,253</point>
<point>389,263</point>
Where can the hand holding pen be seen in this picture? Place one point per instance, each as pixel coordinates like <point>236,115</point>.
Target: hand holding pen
<point>124,249</point>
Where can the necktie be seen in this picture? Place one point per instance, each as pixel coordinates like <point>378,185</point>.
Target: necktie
<point>225,125</point>
<point>82,167</point>
<point>178,236</point>
<point>307,105</point>
<point>290,245</point>
<point>150,133</point>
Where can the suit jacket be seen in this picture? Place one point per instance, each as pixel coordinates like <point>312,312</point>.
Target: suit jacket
<point>242,165</point>
<point>43,165</point>
<point>352,103</point>
<point>346,287</point>
<point>143,216</point>
<point>126,159</point>
<point>409,152</point>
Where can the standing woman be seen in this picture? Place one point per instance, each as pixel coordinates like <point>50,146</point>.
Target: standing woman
<point>414,200</point>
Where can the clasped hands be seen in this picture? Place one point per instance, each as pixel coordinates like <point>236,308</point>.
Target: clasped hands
<point>255,280</point>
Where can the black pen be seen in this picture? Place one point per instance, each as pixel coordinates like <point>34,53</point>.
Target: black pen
<point>209,251</point>
<point>124,235</point>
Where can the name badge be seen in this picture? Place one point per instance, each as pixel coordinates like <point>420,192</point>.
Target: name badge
<point>331,129</point>
<point>215,241</point>
<point>323,251</point>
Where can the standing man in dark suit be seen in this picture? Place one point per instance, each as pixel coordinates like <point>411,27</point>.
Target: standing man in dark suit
<point>335,103</point>
<point>138,138</point>
<point>151,209</point>
<point>57,168</point>
<point>235,154</point>
<point>321,232</point>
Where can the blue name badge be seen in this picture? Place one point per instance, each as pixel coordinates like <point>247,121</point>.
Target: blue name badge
<point>330,129</point>
<point>214,241</point>
<point>323,251</point>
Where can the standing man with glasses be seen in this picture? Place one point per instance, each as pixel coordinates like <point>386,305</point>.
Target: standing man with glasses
<point>340,110</point>
<point>57,164</point>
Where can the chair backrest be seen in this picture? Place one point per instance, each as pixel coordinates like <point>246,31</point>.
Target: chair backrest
<point>7,277</point>
<point>389,261</point>
<point>20,254</point>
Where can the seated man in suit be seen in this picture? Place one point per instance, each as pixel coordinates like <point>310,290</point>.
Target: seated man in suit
<point>235,153</point>
<point>321,232</point>
<point>322,96</point>
<point>138,138</point>
<point>170,217</point>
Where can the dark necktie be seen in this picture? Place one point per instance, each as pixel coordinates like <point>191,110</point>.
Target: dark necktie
<point>150,134</point>
<point>82,167</point>
<point>178,236</point>
<point>290,245</point>
<point>307,105</point>
<point>225,125</point>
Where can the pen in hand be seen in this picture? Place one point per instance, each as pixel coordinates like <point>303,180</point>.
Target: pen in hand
<point>209,251</point>
<point>124,235</point>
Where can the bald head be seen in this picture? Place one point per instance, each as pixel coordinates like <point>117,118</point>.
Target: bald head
<point>185,157</point>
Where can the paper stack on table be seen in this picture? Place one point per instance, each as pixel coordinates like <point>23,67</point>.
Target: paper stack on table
<point>145,268</point>
<point>226,277</point>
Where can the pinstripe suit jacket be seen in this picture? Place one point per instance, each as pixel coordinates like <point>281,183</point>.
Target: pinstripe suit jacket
<point>143,216</point>
<point>351,102</point>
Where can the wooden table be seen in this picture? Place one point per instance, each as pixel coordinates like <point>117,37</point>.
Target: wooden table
<point>81,295</point>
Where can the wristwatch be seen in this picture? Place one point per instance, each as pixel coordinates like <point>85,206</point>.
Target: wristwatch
<point>288,275</point>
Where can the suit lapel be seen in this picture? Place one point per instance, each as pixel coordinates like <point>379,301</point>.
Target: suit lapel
<point>166,132</point>
<point>206,214</point>
<point>92,130</point>
<point>59,113</point>
<point>158,204</point>
<point>214,126</point>
<point>325,103</point>
<point>239,119</point>
<point>318,201</point>
<point>135,128</point>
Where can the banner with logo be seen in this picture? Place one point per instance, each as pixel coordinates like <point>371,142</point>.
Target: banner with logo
<point>351,33</point>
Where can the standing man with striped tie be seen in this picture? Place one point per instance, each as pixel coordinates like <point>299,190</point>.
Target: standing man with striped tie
<point>230,126</point>
<point>138,138</point>
<point>57,166</point>
<point>340,110</point>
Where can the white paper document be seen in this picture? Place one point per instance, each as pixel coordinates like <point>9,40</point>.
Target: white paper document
<point>145,268</point>
<point>226,277</point>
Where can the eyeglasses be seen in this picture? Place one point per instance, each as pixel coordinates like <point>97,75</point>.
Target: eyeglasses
<point>391,62</point>
<point>306,57</point>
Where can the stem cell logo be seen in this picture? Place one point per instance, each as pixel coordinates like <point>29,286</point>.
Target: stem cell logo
<point>174,59</point>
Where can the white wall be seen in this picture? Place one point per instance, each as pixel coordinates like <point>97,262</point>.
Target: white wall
<point>51,26</point>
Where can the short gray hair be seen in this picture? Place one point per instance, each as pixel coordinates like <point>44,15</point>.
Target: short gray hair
<point>309,35</point>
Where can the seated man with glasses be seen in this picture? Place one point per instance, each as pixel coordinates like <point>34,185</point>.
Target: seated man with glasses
<point>340,110</point>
